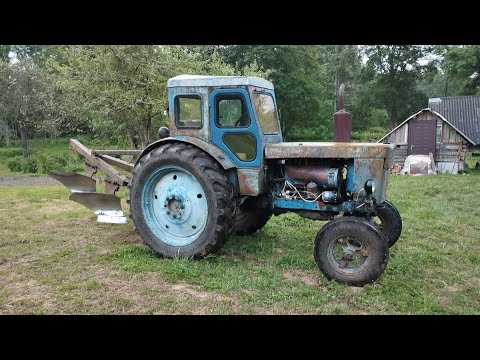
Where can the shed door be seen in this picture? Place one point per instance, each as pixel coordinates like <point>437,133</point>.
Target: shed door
<point>421,137</point>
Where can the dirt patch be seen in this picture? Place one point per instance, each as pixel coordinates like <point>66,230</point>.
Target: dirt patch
<point>301,276</point>
<point>27,181</point>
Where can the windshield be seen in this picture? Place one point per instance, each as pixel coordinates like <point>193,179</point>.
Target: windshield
<point>266,112</point>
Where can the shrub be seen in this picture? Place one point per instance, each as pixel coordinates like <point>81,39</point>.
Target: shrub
<point>31,165</point>
<point>15,164</point>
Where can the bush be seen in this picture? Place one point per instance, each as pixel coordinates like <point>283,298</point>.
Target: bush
<point>10,152</point>
<point>15,164</point>
<point>31,165</point>
<point>44,163</point>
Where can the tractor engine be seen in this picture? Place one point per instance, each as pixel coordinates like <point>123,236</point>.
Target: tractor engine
<point>312,181</point>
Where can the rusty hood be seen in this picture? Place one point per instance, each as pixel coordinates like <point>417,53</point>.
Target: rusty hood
<point>331,150</point>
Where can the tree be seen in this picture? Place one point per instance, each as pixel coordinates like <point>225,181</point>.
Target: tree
<point>120,91</point>
<point>23,100</point>
<point>397,70</point>
<point>302,97</point>
<point>464,63</point>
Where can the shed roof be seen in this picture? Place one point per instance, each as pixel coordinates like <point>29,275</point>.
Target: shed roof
<point>436,113</point>
<point>202,80</point>
<point>461,111</point>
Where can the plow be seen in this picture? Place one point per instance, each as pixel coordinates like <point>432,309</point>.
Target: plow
<point>83,188</point>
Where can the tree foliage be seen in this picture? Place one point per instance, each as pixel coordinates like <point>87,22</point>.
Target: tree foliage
<point>118,93</point>
<point>397,70</point>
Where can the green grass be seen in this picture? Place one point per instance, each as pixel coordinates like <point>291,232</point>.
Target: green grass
<point>55,258</point>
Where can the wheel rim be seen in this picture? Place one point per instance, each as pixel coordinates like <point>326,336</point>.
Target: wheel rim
<point>348,254</point>
<point>174,206</point>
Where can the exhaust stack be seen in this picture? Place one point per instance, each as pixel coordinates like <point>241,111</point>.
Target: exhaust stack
<point>342,120</point>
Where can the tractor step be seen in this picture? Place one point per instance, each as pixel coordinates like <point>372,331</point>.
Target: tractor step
<point>83,191</point>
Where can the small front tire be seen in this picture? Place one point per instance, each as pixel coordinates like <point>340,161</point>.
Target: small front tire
<point>351,250</point>
<point>389,222</point>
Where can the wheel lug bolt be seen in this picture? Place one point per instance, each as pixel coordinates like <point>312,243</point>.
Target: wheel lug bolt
<point>168,212</point>
<point>174,216</point>
<point>182,207</point>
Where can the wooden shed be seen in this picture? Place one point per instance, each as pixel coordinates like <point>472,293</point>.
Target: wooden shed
<point>429,132</point>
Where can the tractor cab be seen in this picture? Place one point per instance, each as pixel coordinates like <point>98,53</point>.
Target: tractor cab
<point>236,114</point>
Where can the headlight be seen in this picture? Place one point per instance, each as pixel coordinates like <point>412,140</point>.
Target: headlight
<point>369,186</point>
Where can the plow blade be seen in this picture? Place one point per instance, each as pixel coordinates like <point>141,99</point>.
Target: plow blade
<point>76,183</point>
<point>84,191</point>
<point>107,207</point>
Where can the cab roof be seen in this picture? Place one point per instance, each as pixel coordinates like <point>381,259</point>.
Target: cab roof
<point>202,80</point>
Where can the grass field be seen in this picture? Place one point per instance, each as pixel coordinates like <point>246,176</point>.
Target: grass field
<point>56,259</point>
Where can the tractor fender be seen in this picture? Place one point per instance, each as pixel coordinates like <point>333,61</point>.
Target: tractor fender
<point>215,152</point>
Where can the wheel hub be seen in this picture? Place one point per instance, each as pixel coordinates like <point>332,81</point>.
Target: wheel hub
<point>348,254</point>
<point>174,206</point>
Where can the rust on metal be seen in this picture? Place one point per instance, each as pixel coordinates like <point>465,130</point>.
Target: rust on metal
<point>111,187</point>
<point>326,150</point>
<point>76,146</point>
<point>117,162</point>
<point>225,161</point>
<point>321,175</point>
<point>95,162</point>
<point>342,126</point>
<point>251,181</point>
<point>366,169</point>
<point>342,120</point>
<point>89,169</point>
<point>116,152</point>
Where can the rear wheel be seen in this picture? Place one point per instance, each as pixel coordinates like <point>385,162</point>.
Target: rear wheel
<point>351,250</point>
<point>249,219</point>
<point>389,222</point>
<point>181,201</point>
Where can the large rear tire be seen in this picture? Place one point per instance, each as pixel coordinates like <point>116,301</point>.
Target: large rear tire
<point>181,201</point>
<point>249,218</point>
<point>351,250</point>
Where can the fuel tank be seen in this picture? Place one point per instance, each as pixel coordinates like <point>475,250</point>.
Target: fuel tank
<point>324,176</point>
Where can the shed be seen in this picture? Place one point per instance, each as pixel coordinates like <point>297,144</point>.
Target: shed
<point>427,132</point>
<point>463,112</point>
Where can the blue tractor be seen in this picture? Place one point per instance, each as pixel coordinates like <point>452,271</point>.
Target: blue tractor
<point>222,168</point>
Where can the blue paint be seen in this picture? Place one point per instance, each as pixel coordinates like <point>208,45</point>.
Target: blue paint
<point>350,175</point>
<point>174,206</point>
<point>294,204</point>
<point>252,129</point>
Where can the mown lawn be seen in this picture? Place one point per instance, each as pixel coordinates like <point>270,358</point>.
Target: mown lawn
<point>55,258</point>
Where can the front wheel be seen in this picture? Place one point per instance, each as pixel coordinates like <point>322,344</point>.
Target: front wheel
<point>351,250</point>
<point>181,201</point>
<point>389,222</point>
